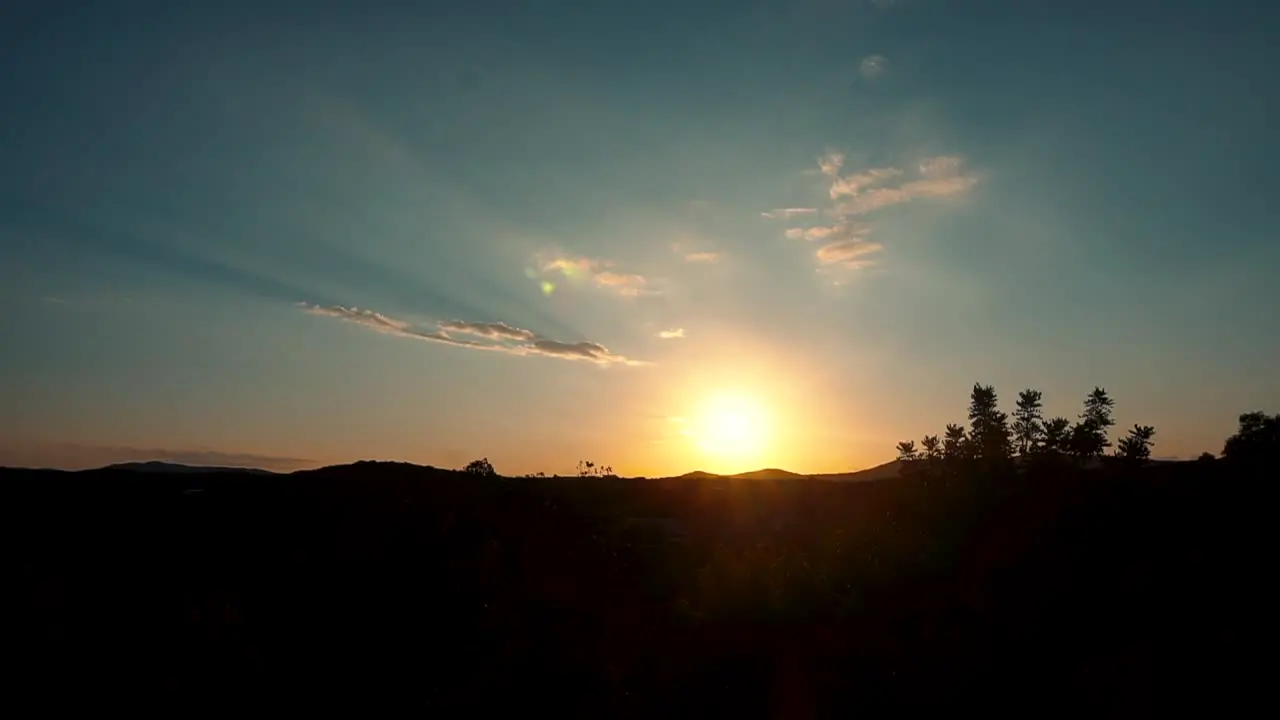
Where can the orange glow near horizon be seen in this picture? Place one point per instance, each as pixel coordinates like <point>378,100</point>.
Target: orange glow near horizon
<point>730,432</point>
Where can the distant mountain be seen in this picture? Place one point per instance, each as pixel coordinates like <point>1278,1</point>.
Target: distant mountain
<point>887,470</point>
<point>768,474</point>
<point>879,472</point>
<point>157,466</point>
<point>699,475</point>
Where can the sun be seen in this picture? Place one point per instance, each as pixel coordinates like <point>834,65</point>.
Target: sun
<point>732,429</point>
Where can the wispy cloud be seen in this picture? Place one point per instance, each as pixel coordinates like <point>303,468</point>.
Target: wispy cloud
<point>497,336</point>
<point>629,284</point>
<point>694,256</point>
<point>702,257</point>
<point>873,66</point>
<point>843,230</point>
<point>672,334</point>
<point>851,185</point>
<point>497,330</point>
<point>599,273</point>
<point>860,193</point>
<point>848,253</point>
<point>787,213</point>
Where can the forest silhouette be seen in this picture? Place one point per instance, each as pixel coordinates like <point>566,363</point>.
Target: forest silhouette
<point>1013,564</point>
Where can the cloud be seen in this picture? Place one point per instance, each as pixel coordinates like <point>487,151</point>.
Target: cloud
<point>498,330</point>
<point>830,163</point>
<point>497,336</point>
<point>572,267</point>
<point>942,166</point>
<point>786,213</point>
<point>851,185</point>
<point>702,257</point>
<point>861,193</point>
<point>843,230</point>
<point>599,273</point>
<point>849,254</point>
<point>628,284</point>
<point>873,66</point>
<point>672,334</point>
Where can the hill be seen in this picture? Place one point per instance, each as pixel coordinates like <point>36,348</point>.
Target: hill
<point>157,466</point>
<point>385,586</point>
<point>879,472</point>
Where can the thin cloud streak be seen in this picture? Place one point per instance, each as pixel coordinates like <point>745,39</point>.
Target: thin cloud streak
<point>702,257</point>
<point>787,213</point>
<point>496,336</point>
<point>672,334</point>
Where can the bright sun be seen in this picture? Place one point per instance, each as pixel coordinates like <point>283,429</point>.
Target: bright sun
<point>732,428</point>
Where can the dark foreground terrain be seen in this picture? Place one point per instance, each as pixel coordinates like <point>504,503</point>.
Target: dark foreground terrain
<point>378,586</point>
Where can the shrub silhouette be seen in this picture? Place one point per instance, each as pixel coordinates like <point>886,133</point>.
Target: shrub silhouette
<point>1136,447</point>
<point>1256,441</point>
<point>587,468</point>
<point>481,467</point>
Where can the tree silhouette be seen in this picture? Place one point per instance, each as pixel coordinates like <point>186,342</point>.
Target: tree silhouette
<point>955,443</point>
<point>991,441</point>
<point>481,467</point>
<point>1136,446</point>
<point>1089,436</point>
<point>1028,422</point>
<point>931,447</point>
<point>907,452</point>
<point>1057,436</point>
<point>1257,440</point>
<point>989,435</point>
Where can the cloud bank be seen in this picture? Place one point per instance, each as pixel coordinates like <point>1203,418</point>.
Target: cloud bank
<point>496,336</point>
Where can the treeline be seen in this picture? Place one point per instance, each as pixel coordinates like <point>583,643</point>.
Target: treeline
<point>993,438</point>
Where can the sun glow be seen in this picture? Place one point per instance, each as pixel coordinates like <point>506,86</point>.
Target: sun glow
<point>731,430</point>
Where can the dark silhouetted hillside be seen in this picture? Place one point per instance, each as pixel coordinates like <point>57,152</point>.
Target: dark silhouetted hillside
<point>157,466</point>
<point>385,586</point>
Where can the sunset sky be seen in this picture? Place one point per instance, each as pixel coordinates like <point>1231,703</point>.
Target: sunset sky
<point>661,236</point>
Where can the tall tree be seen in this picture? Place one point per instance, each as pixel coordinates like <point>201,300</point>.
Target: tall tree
<point>1057,436</point>
<point>1136,446</point>
<point>1028,422</point>
<point>1256,440</point>
<point>1089,436</point>
<point>932,448</point>
<point>954,442</point>
<point>907,452</point>
<point>988,427</point>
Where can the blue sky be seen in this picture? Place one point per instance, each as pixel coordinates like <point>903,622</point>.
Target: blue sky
<point>289,234</point>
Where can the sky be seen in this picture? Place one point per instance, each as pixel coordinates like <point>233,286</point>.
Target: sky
<point>660,236</point>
